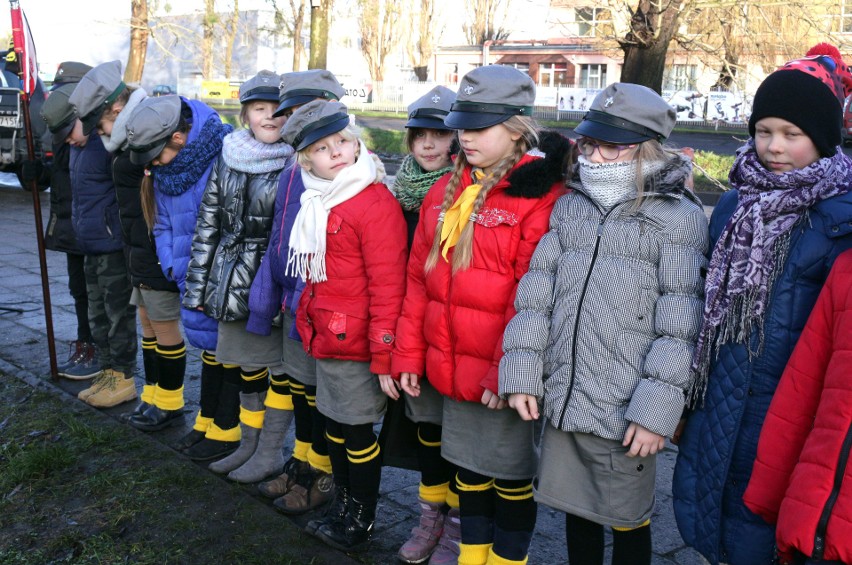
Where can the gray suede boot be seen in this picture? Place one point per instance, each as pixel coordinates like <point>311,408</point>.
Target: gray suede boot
<point>249,436</point>
<point>268,458</point>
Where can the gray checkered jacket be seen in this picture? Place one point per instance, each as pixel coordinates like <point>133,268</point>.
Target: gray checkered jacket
<point>609,311</point>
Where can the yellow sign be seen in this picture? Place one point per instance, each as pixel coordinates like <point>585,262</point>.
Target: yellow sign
<point>222,89</point>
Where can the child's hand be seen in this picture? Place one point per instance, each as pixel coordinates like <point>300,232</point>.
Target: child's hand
<point>389,386</point>
<point>410,384</point>
<point>642,441</point>
<point>525,404</point>
<point>492,401</point>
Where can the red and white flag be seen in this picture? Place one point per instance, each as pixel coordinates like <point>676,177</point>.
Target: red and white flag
<point>25,48</point>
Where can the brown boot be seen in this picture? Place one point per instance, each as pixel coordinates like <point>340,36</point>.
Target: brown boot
<point>280,485</point>
<point>311,489</point>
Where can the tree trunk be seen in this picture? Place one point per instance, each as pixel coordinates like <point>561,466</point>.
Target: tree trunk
<point>298,24</point>
<point>208,26</point>
<point>138,41</point>
<point>320,15</point>
<point>231,37</point>
<point>652,27</point>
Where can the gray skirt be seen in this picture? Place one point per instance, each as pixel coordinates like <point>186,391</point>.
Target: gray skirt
<point>348,393</point>
<point>237,346</point>
<point>494,443</point>
<point>159,305</point>
<point>428,407</point>
<point>593,478</point>
<point>295,361</point>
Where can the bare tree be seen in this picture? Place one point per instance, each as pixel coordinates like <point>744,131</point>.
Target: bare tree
<point>138,41</point>
<point>653,25</point>
<point>208,25</point>
<point>426,32</point>
<point>379,23</point>
<point>230,26</point>
<point>320,18</point>
<point>485,19</point>
<point>290,24</point>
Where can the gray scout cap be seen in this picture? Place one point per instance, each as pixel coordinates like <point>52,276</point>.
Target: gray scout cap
<point>59,114</point>
<point>490,95</point>
<point>150,126</point>
<point>262,86</point>
<point>627,113</point>
<point>429,110</point>
<point>69,72</point>
<point>95,92</point>
<point>301,87</point>
<point>313,121</point>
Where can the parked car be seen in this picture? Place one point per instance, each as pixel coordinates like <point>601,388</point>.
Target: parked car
<point>846,130</point>
<point>13,140</point>
<point>163,90</point>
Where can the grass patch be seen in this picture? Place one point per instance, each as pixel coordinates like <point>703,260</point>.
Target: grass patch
<point>79,487</point>
<point>711,170</point>
<point>384,141</point>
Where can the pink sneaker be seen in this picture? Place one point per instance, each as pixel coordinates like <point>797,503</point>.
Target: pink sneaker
<point>424,536</point>
<point>447,550</point>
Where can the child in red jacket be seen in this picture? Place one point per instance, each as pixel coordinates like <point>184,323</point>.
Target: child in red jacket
<point>477,231</point>
<point>348,244</point>
<point>802,478</point>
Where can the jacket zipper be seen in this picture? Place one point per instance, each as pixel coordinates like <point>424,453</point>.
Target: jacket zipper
<point>579,315</point>
<point>822,525</point>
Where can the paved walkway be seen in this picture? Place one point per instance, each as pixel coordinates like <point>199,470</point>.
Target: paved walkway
<point>23,345</point>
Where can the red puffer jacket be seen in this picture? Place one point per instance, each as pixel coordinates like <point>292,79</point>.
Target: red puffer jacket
<point>802,477</point>
<point>452,325</point>
<point>352,315</point>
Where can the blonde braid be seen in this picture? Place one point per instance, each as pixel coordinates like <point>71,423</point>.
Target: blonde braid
<point>449,192</point>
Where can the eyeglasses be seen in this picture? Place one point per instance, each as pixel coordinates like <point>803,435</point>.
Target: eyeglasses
<point>608,151</point>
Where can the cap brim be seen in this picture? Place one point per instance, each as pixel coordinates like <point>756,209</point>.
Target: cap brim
<point>90,122</point>
<point>608,133</point>
<point>143,158</point>
<point>59,136</point>
<point>473,120</point>
<point>319,133</point>
<point>427,123</point>
<point>292,101</point>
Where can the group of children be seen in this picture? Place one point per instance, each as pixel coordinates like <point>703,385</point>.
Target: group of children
<point>508,274</point>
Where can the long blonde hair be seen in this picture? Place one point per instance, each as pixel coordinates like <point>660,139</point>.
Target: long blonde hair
<point>463,250</point>
<point>649,152</point>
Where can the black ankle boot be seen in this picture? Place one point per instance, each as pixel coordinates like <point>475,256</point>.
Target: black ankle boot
<point>155,419</point>
<point>335,512</point>
<point>354,532</point>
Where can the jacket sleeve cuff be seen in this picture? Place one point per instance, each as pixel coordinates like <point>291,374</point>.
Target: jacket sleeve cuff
<point>491,380</point>
<point>259,325</point>
<point>403,364</point>
<point>381,364</point>
<point>656,406</point>
<point>521,373</point>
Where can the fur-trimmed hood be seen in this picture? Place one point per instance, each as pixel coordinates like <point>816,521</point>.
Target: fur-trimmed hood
<point>534,178</point>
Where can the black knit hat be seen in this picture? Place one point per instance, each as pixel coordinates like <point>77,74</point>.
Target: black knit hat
<point>803,100</point>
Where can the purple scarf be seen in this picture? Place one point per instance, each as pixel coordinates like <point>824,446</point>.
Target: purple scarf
<point>752,249</point>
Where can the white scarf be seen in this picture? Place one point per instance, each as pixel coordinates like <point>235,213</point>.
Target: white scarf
<point>307,238</point>
<point>118,138</point>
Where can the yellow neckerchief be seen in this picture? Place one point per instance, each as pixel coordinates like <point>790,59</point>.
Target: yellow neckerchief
<point>456,218</point>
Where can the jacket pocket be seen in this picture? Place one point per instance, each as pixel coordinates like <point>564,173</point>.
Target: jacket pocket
<point>492,239</point>
<point>631,484</point>
<point>112,223</point>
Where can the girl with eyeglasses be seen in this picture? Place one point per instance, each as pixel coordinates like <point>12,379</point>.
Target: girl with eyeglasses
<point>607,318</point>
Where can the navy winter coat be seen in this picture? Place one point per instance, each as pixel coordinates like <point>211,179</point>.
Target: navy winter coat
<point>719,443</point>
<point>94,209</point>
<point>173,231</point>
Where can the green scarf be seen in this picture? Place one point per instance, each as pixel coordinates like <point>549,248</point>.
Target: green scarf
<point>412,183</point>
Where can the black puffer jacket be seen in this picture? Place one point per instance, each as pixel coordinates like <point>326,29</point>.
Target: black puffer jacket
<point>59,234</point>
<point>142,262</point>
<point>231,236</point>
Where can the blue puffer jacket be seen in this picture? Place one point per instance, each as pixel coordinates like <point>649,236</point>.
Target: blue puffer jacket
<point>94,209</point>
<point>272,289</point>
<point>173,231</point>
<point>719,443</point>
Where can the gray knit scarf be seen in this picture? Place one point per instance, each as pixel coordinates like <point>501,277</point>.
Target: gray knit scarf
<point>242,152</point>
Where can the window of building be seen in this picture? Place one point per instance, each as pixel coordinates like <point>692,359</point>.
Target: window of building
<point>553,74</point>
<point>592,76</point>
<point>846,16</point>
<point>523,67</point>
<point>680,77</point>
<point>589,20</point>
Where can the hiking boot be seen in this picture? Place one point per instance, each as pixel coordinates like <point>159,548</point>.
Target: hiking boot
<point>447,550</point>
<point>355,531</point>
<point>116,389</point>
<point>210,449</point>
<point>87,366</point>
<point>99,382</point>
<point>76,350</point>
<point>155,419</point>
<point>281,485</point>
<point>335,512</point>
<point>192,438</point>
<point>424,536</point>
<point>311,489</point>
